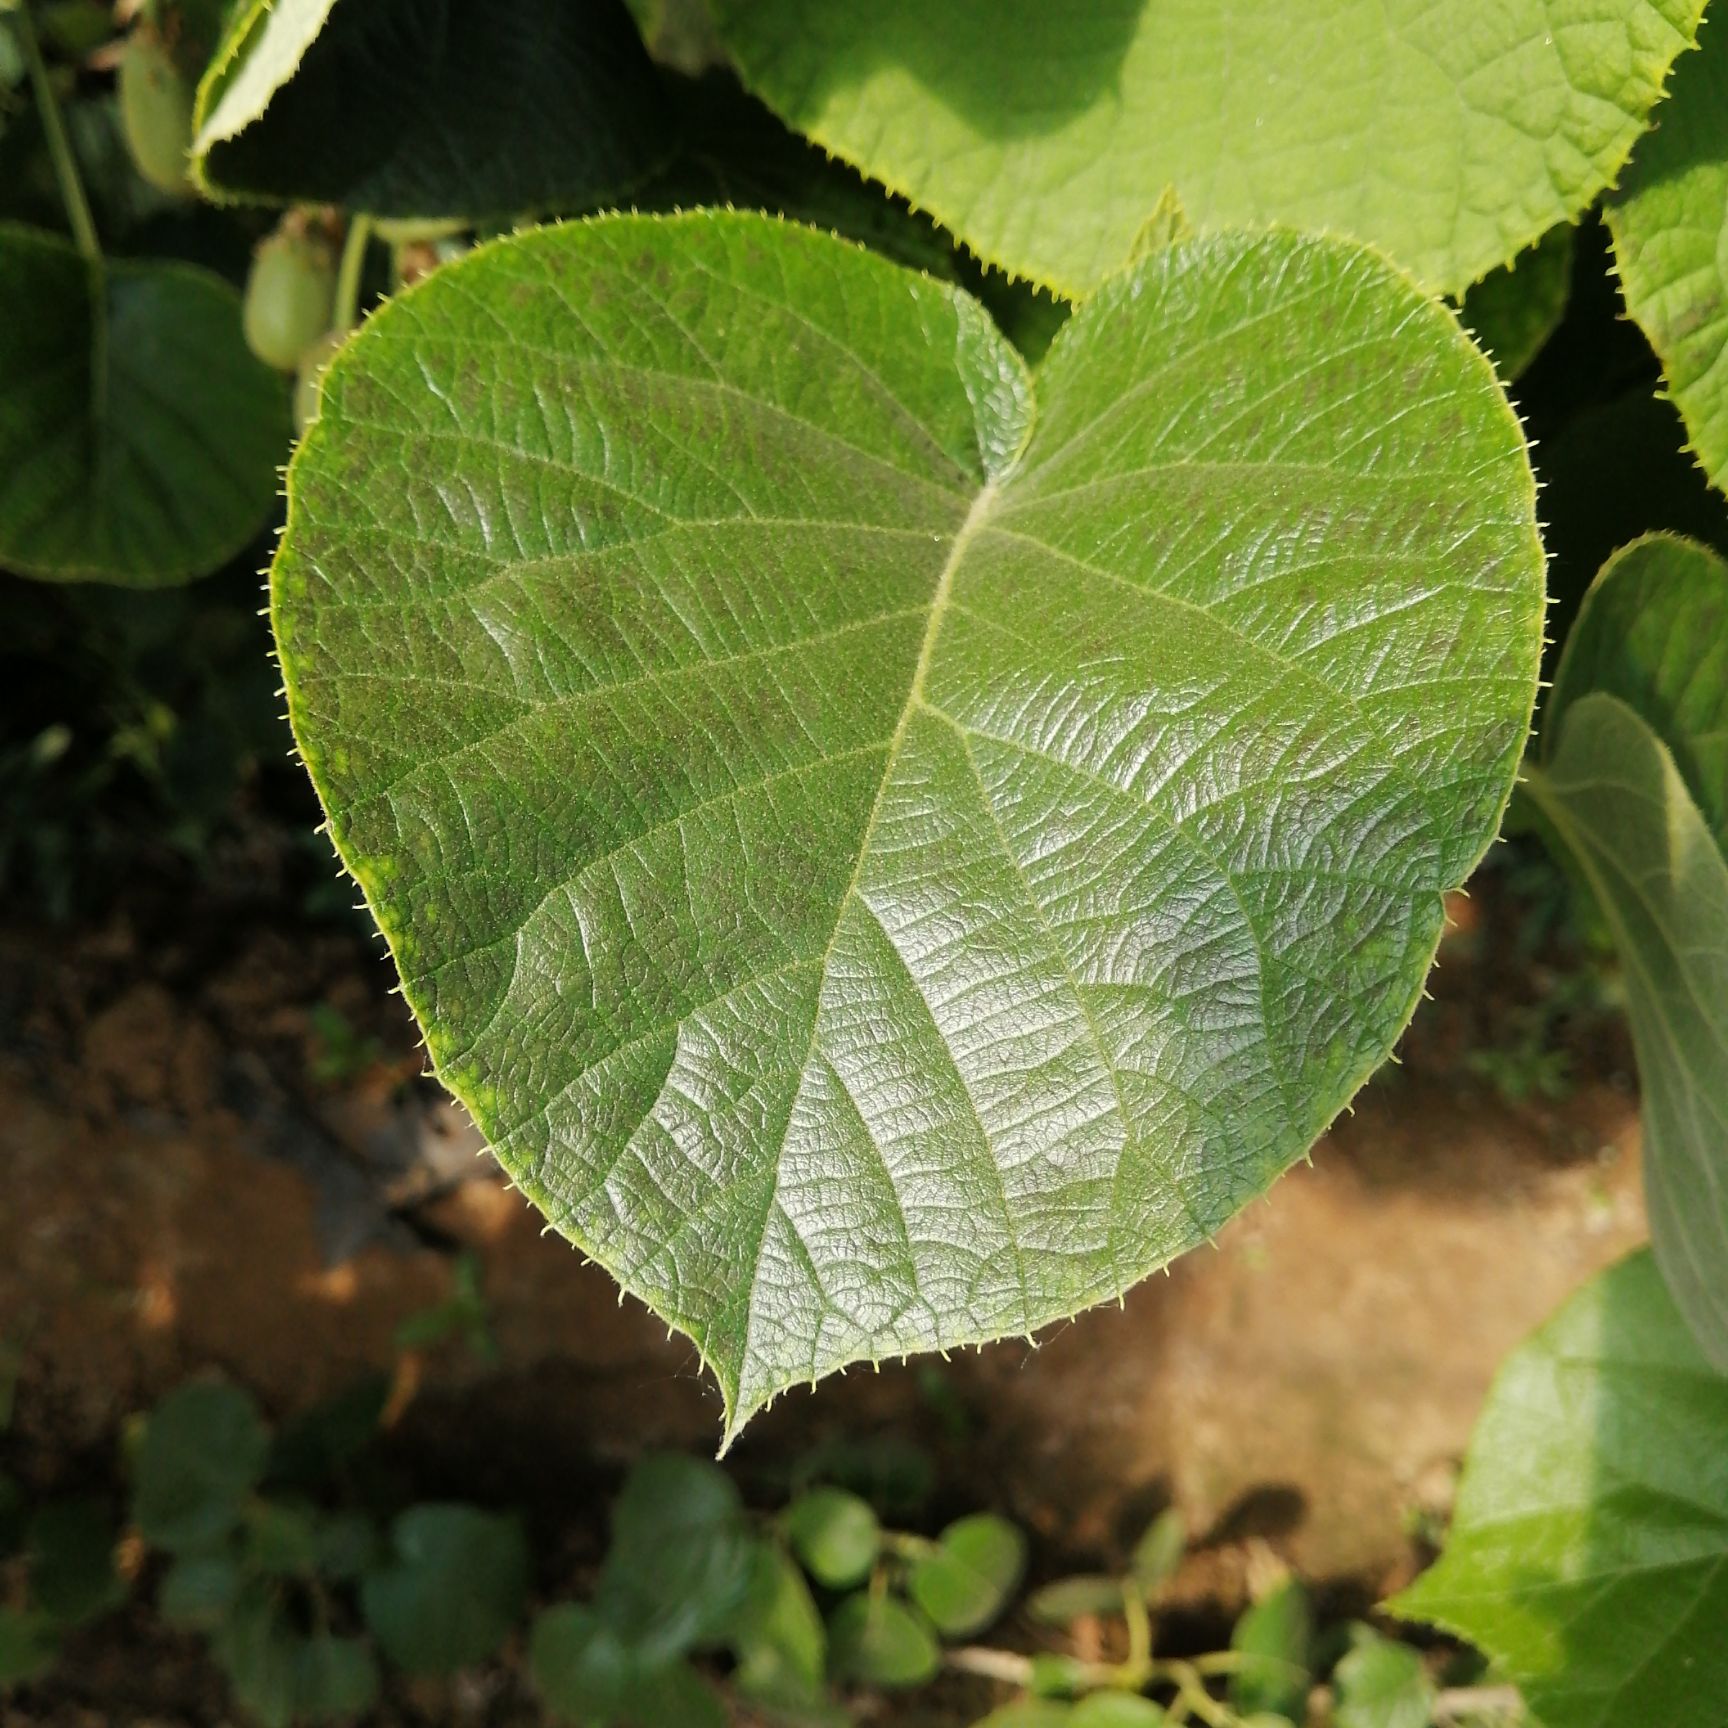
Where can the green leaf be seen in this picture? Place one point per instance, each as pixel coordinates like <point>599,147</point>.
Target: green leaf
<point>199,1591</point>
<point>681,1559</point>
<point>1453,136</point>
<point>201,1456</point>
<point>282,1537</point>
<point>256,1648</point>
<point>1653,630</point>
<point>1159,1552</point>
<point>1589,1550</point>
<point>71,1553</point>
<point>1670,226</point>
<point>581,1667</point>
<point>1614,799</point>
<point>284,1677</point>
<point>587,1674</point>
<point>779,1638</point>
<point>971,1574</point>
<point>28,1646</point>
<point>835,1535</point>
<point>1053,1675</point>
<point>881,875</point>
<point>452,1590</point>
<point>1275,1637</point>
<point>346,1544</point>
<point>880,1641</point>
<point>449,107</point>
<point>335,1679</point>
<point>139,438</point>
<point>1381,1684</point>
<point>1116,1710</point>
<point>1066,1600</point>
<point>1513,311</point>
<point>1029,1713</point>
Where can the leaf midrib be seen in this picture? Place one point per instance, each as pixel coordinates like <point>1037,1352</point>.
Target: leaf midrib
<point>732,1377</point>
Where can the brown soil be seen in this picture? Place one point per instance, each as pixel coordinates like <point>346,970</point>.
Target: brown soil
<point>180,1191</point>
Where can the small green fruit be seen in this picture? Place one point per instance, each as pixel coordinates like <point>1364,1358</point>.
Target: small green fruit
<point>156,113</point>
<point>290,297</point>
<point>309,379</point>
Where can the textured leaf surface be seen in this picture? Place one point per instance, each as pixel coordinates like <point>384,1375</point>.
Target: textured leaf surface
<point>885,873</point>
<point>1452,135</point>
<point>1618,803</point>
<point>139,439</point>
<point>1589,1551</point>
<point>1670,228</point>
<point>431,107</point>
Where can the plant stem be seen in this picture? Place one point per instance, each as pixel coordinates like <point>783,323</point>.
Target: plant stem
<point>349,271</point>
<point>1457,1702</point>
<point>1008,1666</point>
<point>1139,1633</point>
<point>59,143</point>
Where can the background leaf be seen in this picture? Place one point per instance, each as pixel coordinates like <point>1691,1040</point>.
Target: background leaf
<point>1615,801</point>
<point>1653,633</point>
<point>452,1590</point>
<point>1453,136</point>
<point>781,1643</point>
<point>1381,1684</point>
<point>1159,1552</point>
<point>1082,1596</point>
<point>433,107</point>
<point>878,1640</point>
<point>1116,1710</point>
<point>835,1535</point>
<point>1513,311</point>
<point>1653,630</point>
<point>202,1454</point>
<point>1670,226</point>
<point>877,886</point>
<point>139,439</point>
<point>971,1574</point>
<point>682,1557</point>
<point>1275,1637</point>
<point>1589,1551</point>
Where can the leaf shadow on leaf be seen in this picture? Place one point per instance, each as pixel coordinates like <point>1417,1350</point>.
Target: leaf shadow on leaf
<point>1045,64</point>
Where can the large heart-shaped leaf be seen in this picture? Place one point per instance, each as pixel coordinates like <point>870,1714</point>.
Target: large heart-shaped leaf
<point>1670,228</point>
<point>1453,135</point>
<point>889,862</point>
<point>1640,709</point>
<point>139,438</point>
<point>1589,1552</point>
<point>431,107</point>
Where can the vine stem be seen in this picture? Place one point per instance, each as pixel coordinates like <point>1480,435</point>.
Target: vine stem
<point>348,272</point>
<point>1457,1702</point>
<point>59,142</point>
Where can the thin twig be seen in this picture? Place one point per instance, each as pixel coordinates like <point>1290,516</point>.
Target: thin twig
<point>72,194</point>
